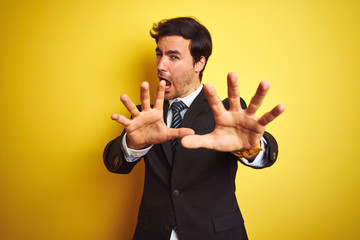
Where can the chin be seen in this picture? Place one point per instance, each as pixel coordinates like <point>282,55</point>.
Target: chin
<point>168,96</point>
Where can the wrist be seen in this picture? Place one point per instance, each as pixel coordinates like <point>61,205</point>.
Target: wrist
<point>248,153</point>
<point>130,145</point>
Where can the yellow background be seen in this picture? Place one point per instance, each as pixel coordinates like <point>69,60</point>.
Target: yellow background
<point>64,64</point>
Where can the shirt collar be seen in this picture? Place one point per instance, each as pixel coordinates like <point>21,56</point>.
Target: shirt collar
<point>188,100</point>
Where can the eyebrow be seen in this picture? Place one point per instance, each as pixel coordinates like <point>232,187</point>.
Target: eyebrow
<point>169,52</point>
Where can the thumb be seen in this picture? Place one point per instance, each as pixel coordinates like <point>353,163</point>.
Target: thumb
<point>196,141</point>
<point>180,132</point>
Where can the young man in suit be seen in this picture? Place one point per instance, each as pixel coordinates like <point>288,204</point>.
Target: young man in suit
<point>189,190</point>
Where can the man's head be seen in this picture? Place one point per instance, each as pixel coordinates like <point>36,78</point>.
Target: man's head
<point>183,48</point>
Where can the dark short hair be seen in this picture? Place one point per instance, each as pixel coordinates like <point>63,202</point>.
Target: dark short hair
<point>188,28</point>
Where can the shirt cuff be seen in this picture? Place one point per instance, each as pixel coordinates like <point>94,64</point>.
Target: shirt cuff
<point>259,159</point>
<point>131,155</point>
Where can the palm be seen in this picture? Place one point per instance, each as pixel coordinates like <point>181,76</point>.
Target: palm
<point>143,126</point>
<point>236,128</point>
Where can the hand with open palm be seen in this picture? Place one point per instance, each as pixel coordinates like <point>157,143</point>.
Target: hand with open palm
<point>147,127</point>
<point>236,128</point>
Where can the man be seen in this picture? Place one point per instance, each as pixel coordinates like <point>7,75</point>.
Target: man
<point>189,190</point>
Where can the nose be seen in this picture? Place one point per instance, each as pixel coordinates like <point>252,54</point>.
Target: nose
<point>161,64</point>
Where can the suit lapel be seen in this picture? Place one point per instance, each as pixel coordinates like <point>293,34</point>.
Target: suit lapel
<point>199,103</point>
<point>166,145</point>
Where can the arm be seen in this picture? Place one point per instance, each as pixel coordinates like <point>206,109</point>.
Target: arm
<point>267,156</point>
<point>114,158</point>
<point>146,127</point>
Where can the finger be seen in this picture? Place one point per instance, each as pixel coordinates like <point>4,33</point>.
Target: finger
<point>145,96</point>
<point>130,106</point>
<point>233,91</point>
<point>270,116</point>
<point>159,97</point>
<point>197,141</point>
<point>121,119</point>
<point>214,100</point>
<point>258,98</point>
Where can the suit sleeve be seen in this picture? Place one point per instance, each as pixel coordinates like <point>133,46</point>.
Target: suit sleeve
<point>272,149</point>
<point>114,159</point>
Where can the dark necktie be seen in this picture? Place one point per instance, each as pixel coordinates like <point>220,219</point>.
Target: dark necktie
<point>176,108</point>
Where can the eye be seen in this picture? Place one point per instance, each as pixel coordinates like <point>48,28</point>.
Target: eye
<point>174,57</point>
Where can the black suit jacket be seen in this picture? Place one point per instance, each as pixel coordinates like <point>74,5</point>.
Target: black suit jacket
<point>193,190</point>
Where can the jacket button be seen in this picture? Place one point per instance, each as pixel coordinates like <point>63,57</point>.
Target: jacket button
<point>176,193</point>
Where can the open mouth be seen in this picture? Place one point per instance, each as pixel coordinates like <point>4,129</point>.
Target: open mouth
<point>168,83</point>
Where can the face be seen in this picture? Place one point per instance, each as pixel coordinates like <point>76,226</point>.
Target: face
<point>176,66</point>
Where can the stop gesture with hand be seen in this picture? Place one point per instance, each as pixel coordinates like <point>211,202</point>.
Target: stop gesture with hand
<point>147,127</point>
<point>236,128</point>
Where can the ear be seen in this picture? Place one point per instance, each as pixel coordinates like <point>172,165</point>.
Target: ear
<point>200,64</point>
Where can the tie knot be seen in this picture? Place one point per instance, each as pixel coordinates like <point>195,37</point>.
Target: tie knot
<point>178,106</point>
